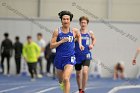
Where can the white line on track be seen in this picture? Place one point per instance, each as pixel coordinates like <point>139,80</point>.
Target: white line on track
<point>114,90</point>
<point>26,83</point>
<point>48,89</point>
<point>11,89</point>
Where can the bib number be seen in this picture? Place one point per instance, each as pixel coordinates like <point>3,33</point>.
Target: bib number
<point>72,59</point>
<point>87,40</point>
<point>70,38</point>
<point>88,56</point>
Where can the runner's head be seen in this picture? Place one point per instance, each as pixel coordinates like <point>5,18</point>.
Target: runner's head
<point>66,17</point>
<point>83,21</point>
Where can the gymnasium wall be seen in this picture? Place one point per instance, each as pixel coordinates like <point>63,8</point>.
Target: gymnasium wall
<point>126,10</point>
<point>116,40</point>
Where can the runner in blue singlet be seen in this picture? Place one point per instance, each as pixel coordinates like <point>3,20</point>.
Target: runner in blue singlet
<point>83,57</point>
<point>63,41</point>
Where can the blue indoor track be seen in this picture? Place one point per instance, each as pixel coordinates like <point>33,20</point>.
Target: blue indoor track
<point>22,84</point>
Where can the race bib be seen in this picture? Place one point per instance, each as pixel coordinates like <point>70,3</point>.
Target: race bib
<point>88,56</point>
<point>72,59</point>
<point>70,38</point>
<point>87,41</point>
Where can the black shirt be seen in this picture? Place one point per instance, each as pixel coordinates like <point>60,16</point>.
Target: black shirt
<point>18,49</point>
<point>6,47</point>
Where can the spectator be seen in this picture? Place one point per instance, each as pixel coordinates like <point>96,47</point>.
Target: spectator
<point>50,55</point>
<point>18,51</point>
<point>6,52</point>
<point>41,43</point>
<point>31,53</point>
<point>119,70</point>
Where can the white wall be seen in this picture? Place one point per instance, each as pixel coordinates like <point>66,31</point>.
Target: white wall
<point>126,10</point>
<point>53,7</point>
<point>110,47</point>
<point>26,7</point>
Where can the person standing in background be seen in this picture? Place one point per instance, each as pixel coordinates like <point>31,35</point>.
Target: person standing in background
<point>41,43</point>
<point>18,52</point>
<point>31,53</point>
<point>49,56</point>
<point>6,52</point>
<point>119,70</point>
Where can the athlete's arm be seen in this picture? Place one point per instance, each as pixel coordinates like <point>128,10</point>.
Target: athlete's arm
<point>78,37</point>
<point>54,43</point>
<point>93,40</point>
<point>137,53</point>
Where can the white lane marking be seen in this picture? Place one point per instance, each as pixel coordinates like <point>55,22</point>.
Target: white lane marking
<point>28,83</point>
<point>11,89</point>
<point>114,90</point>
<point>48,89</point>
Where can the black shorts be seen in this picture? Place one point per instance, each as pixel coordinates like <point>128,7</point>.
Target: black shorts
<point>78,67</point>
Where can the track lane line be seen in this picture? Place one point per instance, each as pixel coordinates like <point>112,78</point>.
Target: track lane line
<point>11,89</point>
<point>46,90</point>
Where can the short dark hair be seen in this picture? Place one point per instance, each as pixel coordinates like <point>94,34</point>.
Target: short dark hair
<point>39,34</point>
<point>62,13</point>
<point>84,18</point>
<point>29,37</point>
<point>17,38</point>
<point>6,34</point>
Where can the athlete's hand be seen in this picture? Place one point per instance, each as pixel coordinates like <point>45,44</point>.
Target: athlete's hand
<point>64,40</point>
<point>81,47</point>
<point>90,46</point>
<point>134,62</point>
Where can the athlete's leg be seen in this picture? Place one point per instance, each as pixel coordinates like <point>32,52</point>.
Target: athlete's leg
<point>66,77</point>
<point>122,75</point>
<point>84,77</point>
<point>115,73</point>
<point>122,72</point>
<point>60,79</point>
<point>78,68</point>
<point>86,64</point>
<point>79,79</point>
<point>60,75</point>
